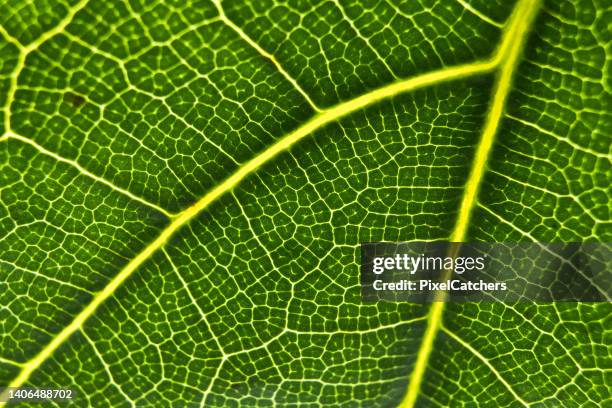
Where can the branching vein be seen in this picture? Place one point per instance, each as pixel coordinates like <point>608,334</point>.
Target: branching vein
<point>81,169</point>
<point>504,60</point>
<point>507,56</point>
<point>264,53</point>
<point>325,117</point>
<point>486,362</point>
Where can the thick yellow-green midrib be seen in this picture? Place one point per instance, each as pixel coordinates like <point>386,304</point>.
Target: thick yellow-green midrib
<point>506,59</point>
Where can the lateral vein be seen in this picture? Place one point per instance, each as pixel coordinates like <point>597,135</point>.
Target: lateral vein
<point>24,50</point>
<point>486,362</point>
<point>10,94</point>
<point>318,121</point>
<point>264,54</point>
<point>72,11</point>
<point>10,362</point>
<point>82,170</point>
<point>193,300</point>
<point>479,14</point>
<point>506,60</point>
<point>9,38</point>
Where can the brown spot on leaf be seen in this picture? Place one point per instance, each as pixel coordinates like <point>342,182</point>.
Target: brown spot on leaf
<point>74,99</point>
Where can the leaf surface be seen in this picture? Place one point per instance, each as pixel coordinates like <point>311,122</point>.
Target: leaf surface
<point>184,187</point>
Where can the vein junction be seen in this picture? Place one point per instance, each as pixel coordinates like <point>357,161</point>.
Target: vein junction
<point>504,60</point>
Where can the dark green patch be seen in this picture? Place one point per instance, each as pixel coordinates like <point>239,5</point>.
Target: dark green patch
<point>75,100</point>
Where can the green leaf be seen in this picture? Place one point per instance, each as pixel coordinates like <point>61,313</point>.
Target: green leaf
<point>184,186</point>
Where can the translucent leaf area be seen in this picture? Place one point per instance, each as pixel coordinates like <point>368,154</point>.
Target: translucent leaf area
<point>184,186</point>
